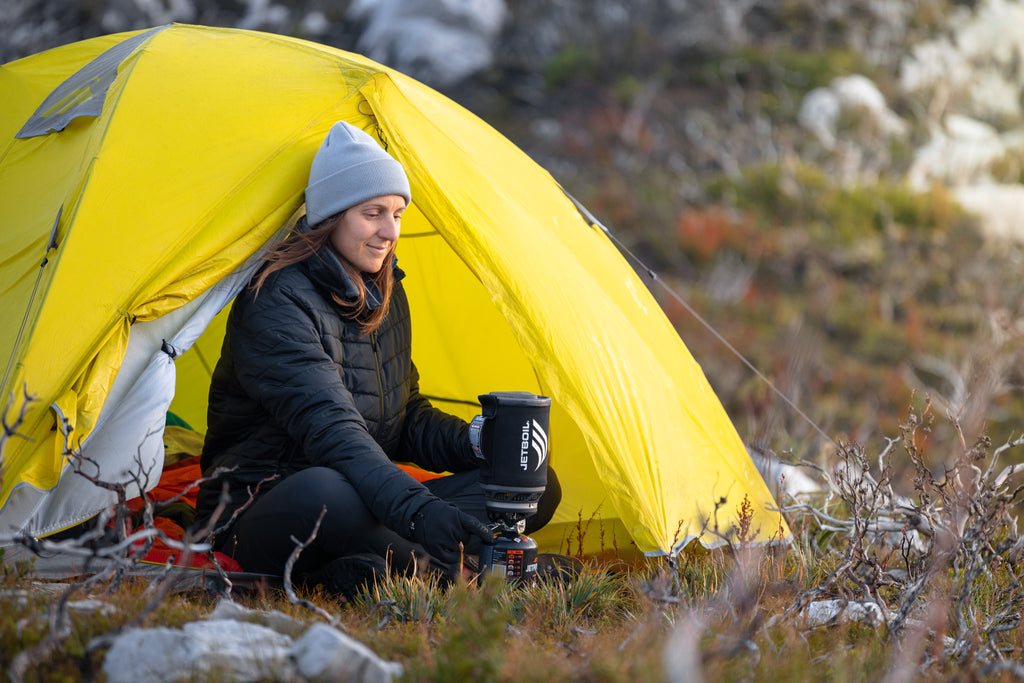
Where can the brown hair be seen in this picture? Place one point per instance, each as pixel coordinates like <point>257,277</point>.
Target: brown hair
<point>302,244</point>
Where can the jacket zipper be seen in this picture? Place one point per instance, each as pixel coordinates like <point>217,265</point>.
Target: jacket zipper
<point>380,378</point>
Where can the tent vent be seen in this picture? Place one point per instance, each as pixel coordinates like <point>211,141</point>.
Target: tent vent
<point>83,93</point>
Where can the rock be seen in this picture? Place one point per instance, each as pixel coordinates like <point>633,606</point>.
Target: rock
<point>785,480</point>
<point>56,591</point>
<point>277,620</point>
<point>228,649</point>
<point>931,64</point>
<point>975,70</point>
<point>959,152</point>
<point>969,130</point>
<point>860,94</point>
<point>822,109</point>
<point>993,97</point>
<point>325,654</point>
<point>819,115</point>
<point>439,42</point>
<point>229,646</point>
<point>997,206</point>
<point>996,32</point>
<point>823,612</point>
<point>263,15</point>
<point>315,24</point>
<point>119,15</point>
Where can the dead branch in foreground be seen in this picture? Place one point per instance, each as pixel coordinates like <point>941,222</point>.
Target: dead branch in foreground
<point>953,542</point>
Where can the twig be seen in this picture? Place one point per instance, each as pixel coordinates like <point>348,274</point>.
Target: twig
<point>289,590</point>
<point>239,510</point>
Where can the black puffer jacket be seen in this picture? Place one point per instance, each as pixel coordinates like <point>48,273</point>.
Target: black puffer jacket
<point>298,385</point>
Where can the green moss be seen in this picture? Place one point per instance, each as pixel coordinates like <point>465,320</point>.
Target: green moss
<point>956,320</point>
<point>804,196</point>
<point>776,77</point>
<point>571,63</point>
<point>883,344</point>
<point>626,88</point>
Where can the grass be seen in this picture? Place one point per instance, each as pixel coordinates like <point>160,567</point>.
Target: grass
<point>935,553</point>
<point>952,604</point>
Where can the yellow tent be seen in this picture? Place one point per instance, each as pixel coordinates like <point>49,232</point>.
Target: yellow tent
<point>141,176</point>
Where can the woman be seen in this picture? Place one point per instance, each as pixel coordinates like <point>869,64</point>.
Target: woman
<point>315,395</point>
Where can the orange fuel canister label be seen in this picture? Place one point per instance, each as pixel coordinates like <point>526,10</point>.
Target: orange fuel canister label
<point>514,563</point>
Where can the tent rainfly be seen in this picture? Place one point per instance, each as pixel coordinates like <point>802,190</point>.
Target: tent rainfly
<point>143,174</point>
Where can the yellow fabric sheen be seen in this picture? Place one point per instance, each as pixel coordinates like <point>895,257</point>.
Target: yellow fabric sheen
<point>545,280</point>
<point>202,152</point>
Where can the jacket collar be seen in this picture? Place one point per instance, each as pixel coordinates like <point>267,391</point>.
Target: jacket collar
<point>327,272</point>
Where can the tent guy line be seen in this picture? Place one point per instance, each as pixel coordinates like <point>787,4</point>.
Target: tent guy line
<point>710,328</point>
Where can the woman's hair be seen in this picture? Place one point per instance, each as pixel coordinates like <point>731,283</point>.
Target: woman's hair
<point>303,243</point>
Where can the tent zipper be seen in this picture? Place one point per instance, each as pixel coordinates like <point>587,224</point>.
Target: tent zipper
<point>51,245</point>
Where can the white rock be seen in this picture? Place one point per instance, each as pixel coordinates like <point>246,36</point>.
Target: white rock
<point>437,41</point>
<point>995,32</point>
<point>228,648</point>
<point>998,207</point>
<point>821,108</point>
<point>859,93</point>
<point>91,606</point>
<point>328,655</point>
<point>993,96</point>
<point>262,14</point>
<point>960,152</point>
<point>976,69</point>
<point>231,650</point>
<point>785,480</point>
<point>965,129</point>
<point>932,63</point>
<point>819,115</point>
<point>56,590</point>
<point>823,612</point>
<point>315,24</point>
<point>275,619</point>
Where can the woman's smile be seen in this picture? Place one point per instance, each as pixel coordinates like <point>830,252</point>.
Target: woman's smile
<point>366,233</point>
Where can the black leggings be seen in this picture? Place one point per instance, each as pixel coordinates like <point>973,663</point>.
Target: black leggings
<point>261,539</point>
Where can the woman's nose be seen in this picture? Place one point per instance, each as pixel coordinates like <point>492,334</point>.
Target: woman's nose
<point>390,229</point>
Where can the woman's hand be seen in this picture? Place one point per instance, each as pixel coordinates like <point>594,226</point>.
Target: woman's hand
<point>440,527</point>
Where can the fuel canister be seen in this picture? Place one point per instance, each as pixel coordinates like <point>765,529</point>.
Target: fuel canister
<point>512,557</point>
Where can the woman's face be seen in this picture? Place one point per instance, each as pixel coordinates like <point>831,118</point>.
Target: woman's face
<point>366,232</point>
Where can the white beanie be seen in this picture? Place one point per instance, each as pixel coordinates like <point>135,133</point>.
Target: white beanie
<point>349,168</point>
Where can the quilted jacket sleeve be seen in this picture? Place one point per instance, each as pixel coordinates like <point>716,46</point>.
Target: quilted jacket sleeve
<point>281,362</point>
<point>433,439</point>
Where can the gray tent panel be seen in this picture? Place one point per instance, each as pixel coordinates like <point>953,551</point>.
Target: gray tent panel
<point>83,93</point>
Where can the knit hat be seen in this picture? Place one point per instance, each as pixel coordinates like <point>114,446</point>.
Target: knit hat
<point>349,168</point>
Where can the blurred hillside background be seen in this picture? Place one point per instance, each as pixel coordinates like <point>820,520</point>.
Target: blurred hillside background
<point>834,185</point>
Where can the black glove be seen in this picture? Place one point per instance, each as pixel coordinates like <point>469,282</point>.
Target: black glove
<point>439,527</point>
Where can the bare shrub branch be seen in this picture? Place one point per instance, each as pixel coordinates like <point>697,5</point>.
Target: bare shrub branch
<point>953,542</point>
<point>290,564</point>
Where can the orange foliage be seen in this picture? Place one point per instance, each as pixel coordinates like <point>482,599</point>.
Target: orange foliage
<point>705,231</point>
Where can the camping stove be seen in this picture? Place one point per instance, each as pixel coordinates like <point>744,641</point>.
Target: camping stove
<point>510,437</point>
